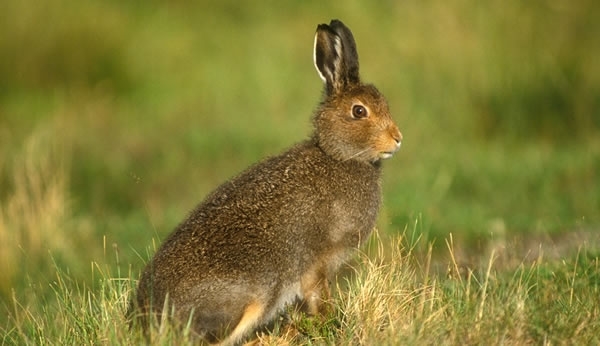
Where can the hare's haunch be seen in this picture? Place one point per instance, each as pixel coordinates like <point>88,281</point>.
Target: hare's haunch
<point>277,233</point>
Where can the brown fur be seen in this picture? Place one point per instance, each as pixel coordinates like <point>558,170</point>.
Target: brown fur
<point>280,230</point>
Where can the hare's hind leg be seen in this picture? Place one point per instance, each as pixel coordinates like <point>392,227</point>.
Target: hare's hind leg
<point>253,315</point>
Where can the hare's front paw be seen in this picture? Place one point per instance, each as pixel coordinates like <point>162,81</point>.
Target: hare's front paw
<point>316,295</point>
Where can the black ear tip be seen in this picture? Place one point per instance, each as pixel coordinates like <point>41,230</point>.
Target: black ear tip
<point>337,26</point>
<point>336,22</point>
<point>322,27</point>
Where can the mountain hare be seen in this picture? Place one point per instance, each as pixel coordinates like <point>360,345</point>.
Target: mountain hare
<point>276,233</point>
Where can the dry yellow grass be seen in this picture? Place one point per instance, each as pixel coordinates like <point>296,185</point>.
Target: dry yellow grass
<point>34,211</point>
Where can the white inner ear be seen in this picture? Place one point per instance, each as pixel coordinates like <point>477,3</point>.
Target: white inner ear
<point>337,45</point>
<point>315,59</point>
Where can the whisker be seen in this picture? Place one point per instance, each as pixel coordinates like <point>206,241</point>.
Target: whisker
<point>356,154</point>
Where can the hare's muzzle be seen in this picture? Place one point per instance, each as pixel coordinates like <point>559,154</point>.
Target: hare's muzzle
<point>395,143</point>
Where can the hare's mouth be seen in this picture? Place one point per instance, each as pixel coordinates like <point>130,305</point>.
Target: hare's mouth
<point>388,154</point>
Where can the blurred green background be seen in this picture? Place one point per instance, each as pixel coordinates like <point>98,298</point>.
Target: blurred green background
<point>118,117</point>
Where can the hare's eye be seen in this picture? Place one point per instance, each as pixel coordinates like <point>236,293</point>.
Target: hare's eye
<point>359,111</point>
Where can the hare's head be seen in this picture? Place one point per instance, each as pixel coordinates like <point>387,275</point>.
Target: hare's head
<point>353,121</point>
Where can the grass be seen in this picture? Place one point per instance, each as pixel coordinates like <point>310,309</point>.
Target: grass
<point>117,118</point>
<point>384,299</point>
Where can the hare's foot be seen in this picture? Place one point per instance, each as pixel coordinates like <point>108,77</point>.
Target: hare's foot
<point>252,317</point>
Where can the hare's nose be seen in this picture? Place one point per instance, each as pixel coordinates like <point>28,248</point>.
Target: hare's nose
<point>397,136</point>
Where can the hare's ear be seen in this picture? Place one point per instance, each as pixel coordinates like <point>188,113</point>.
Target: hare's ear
<point>335,56</point>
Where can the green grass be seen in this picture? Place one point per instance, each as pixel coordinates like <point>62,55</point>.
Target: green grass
<point>117,118</point>
<point>385,298</point>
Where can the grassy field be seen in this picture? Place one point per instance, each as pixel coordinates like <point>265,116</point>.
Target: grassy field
<point>116,118</point>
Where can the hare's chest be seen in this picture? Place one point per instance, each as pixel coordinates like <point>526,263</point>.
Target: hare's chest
<point>353,218</point>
